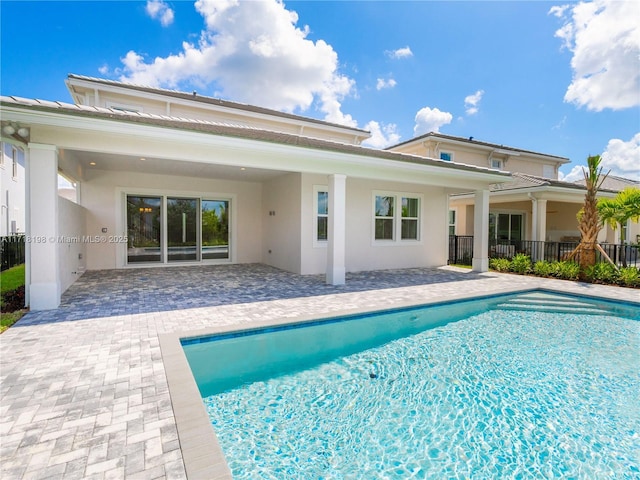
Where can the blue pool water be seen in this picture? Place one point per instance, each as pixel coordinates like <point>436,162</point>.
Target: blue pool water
<point>537,385</point>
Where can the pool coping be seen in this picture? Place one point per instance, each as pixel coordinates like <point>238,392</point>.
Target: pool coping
<point>202,454</point>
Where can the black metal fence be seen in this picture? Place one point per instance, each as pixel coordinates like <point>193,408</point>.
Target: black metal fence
<point>461,251</point>
<point>11,251</point>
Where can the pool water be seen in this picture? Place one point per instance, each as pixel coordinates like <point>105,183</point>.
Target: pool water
<point>534,386</point>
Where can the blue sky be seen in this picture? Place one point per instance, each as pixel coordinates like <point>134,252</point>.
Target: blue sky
<point>552,77</point>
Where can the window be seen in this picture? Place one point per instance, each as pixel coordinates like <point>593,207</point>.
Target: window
<point>17,155</point>
<point>396,224</point>
<point>384,217</point>
<point>452,222</point>
<point>321,216</point>
<point>496,164</point>
<point>447,156</point>
<point>409,218</point>
<point>505,227</point>
<point>124,108</point>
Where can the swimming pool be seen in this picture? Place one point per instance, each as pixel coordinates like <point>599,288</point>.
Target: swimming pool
<point>526,386</point>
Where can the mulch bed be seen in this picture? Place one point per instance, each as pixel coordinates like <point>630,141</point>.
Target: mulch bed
<point>13,300</point>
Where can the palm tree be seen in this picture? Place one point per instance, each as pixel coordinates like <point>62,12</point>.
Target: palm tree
<point>588,220</point>
<point>619,210</point>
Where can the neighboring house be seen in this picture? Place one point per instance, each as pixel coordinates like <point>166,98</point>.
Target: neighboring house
<point>533,205</point>
<point>12,183</point>
<point>165,178</point>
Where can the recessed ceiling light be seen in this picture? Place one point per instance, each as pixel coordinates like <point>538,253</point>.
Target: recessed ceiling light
<point>242,168</point>
<point>92,163</point>
<point>142,159</point>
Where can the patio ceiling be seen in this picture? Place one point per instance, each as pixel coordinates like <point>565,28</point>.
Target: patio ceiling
<point>78,163</point>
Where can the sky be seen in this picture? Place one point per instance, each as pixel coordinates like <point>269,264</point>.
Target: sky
<point>561,78</point>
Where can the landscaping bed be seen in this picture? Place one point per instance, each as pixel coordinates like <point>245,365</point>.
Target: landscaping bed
<point>602,273</point>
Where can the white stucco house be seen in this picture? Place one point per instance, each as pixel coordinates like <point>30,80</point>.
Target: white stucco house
<point>532,206</point>
<point>167,178</point>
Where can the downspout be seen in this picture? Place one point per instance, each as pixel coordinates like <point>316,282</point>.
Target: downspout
<point>534,215</point>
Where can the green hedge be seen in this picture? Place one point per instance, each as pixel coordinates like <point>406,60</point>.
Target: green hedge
<point>603,273</point>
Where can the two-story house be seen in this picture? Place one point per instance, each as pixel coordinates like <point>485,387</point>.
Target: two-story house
<point>164,178</point>
<point>533,205</point>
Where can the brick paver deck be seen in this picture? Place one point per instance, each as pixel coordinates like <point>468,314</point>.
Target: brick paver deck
<point>83,388</point>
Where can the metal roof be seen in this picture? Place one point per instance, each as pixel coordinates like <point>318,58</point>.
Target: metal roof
<point>196,97</point>
<point>238,131</point>
<point>472,141</point>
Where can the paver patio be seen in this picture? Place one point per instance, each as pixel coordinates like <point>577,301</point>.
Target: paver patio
<point>83,387</point>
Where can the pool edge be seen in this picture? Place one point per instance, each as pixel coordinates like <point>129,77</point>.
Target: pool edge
<point>201,452</point>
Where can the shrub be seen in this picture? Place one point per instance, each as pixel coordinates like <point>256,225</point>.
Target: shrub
<point>521,264</point>
<point>567,270</point>
<point>629,277</point>
<point>601,273</point>
<point>500,264</point>
<point>543,268</point>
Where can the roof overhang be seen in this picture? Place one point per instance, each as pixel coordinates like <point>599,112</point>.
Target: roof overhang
<point>85,129</point>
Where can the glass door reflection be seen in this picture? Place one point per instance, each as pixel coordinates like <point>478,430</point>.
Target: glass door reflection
<point>143,229</point>
<point>182,229</point>
<point>215,229</point>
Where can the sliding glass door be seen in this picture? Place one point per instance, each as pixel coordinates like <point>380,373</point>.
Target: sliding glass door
<point>215,229</point>
<point>177,229</point>
<point>144,235</point>
<point>182,229</point>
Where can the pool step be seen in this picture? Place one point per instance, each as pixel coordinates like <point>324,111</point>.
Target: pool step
<point>552,303</point>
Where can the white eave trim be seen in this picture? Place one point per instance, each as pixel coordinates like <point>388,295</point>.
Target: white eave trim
<point>263,147</point>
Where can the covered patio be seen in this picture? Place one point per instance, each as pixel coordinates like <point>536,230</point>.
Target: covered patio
<point>84,390</point>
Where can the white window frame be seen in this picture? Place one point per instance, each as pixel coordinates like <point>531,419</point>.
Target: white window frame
<point>446,152</point>
<point>453,224</point>
<point>496,163</point>
<point>525,219</point>
<point>124,107</point>
<point>397,219</point>
<point>319,243</point>
<point>14,164</point>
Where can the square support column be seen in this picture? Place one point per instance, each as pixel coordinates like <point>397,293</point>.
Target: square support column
<point>42,227</point>
<point>541,220</point>
<point>481,232</point>
<point>336,245</point>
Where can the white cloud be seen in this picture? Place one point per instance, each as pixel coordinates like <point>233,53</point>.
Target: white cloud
<point>381,136</point>
<point>574,175</point>
<point>404,52</point>
<point>471,102</point>
<point>252,52</point>
<point>157,9</point>
<point>382,83</point>
<point>623,158</point>
<point>604,37</point>
<point>430,120</point>
<point>620,158</point>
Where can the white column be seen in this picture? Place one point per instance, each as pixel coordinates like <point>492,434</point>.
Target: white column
<point>541,221</point>
<point>42,227</point>
<point>481,232</point>
<point>336,245</point>
<point>534,217</point>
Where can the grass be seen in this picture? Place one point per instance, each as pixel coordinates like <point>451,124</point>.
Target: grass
<point>10,280</point>
<point>9,319</point>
